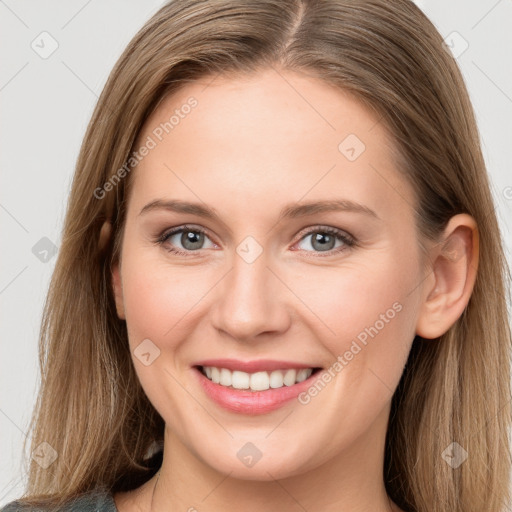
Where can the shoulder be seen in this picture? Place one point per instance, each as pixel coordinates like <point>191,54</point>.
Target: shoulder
<point>100,499</point>
<point>92,501</point>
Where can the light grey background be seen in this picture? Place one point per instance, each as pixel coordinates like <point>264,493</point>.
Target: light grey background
<point>46,104</point>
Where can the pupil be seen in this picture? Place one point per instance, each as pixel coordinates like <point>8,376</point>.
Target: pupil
<point>325,240</point>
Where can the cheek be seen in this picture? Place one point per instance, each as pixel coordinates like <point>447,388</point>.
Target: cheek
<point>160,306</point>
<point>366,323</point>
<point>367,313</point>
<point>160,298</point>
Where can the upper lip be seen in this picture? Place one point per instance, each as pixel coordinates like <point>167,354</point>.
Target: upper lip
<point>259,365</point>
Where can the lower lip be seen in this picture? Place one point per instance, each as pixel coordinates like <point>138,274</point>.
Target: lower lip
<point>253,402</point>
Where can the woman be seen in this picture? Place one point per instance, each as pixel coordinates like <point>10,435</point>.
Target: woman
<point>280,264</point>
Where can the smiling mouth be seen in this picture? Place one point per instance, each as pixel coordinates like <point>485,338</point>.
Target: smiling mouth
<point>258,381</point>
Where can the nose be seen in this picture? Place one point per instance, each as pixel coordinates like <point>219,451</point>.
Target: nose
<point>251,300</point>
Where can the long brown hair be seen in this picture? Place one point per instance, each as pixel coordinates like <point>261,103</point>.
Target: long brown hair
<point>91,408</point>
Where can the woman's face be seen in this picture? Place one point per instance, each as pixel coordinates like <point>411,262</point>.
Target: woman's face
<point>297,249</point>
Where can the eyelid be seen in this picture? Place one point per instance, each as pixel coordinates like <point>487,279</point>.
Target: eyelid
<point>184,227</point>
<point>324,228</point>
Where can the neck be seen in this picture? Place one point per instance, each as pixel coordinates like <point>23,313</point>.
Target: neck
<point>351,481</point>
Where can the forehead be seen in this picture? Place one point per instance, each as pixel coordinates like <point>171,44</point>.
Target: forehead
<point>275,133</point>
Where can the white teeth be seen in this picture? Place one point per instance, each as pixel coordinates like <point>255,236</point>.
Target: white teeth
<point>276,379</point>
<point>225,377</point>
<point>215,374</point>
<point>289,377</point>
<point>240,380</point>
<point>259,381</point>
<point>302,374</point>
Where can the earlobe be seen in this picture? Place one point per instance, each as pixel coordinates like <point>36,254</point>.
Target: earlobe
<point>118,291</point>
<point>105,232</point>
<point>455,263</point>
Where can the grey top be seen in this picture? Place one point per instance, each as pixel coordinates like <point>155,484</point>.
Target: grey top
<point>100,499</point>
<point>93,501</point>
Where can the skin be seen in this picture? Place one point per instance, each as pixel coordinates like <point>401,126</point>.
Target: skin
<point>251,146</point>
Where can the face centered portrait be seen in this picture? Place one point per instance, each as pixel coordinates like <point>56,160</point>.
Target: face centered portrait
<point>251,283</point>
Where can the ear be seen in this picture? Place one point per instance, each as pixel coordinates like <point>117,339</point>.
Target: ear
<point>105,234</point>
<point>455,263</point>
<point>118,291</point>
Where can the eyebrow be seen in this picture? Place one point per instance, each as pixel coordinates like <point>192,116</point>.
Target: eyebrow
<point>290,211</point>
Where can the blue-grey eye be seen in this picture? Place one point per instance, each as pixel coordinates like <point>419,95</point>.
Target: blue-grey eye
<point>189,239</point>
<point>321,240</point>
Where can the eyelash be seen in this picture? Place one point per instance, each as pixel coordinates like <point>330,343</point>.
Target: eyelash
<point>348,240</point>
